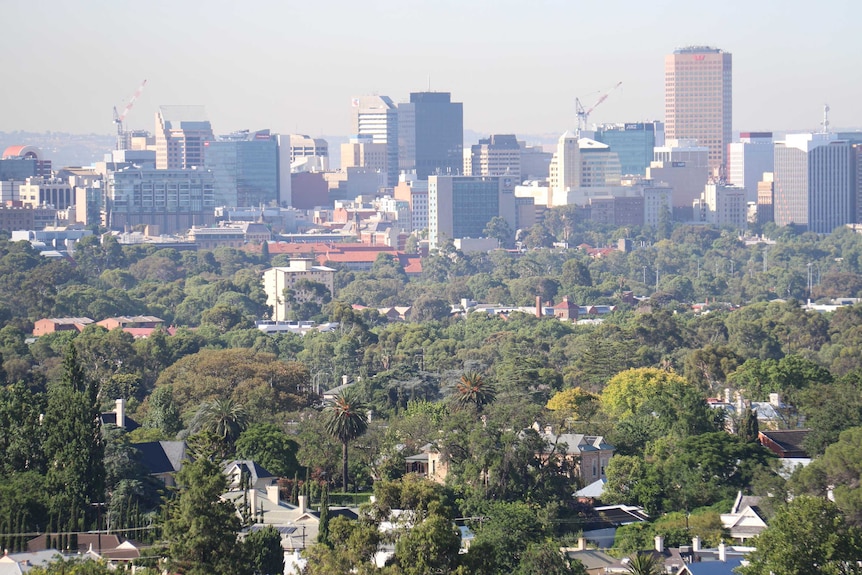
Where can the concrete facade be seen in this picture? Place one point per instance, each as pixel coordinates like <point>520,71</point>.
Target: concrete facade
<point>748,159</point>
<point>462,206</point>
<point>815,182</point>
<point>276,280</point>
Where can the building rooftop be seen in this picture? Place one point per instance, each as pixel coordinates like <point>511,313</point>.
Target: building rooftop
<point>180,114</point>
<point>698,50</point>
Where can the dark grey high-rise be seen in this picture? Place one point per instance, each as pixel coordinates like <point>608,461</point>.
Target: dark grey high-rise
<point>431,134</point>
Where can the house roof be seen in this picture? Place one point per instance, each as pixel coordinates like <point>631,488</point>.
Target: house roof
<point>110,418</point>
<point>256,471</point>
<point>592,558</point>
<point>788,441</point>
<point>162,456</point>
<point>69,320</point>
<point>594,489</point>
<point>713,567</point>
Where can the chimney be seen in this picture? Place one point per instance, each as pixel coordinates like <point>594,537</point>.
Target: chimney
<point>252,501</point>
<point>121,412</point>
<point>659,543</point>
<point>343,380</point>
<point>695,543</point>
<point>302,505</point>
<point>726,395</point>
<point>538,306</point>
<point>775,399</point>
<point>272,493</point>
<point>582,543</point>
<point>722,552</point>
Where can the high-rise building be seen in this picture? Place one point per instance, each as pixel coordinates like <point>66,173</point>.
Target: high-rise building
<point>698,100</point>
<point>581,163</point>
<point>766,198</point>
<point>302,146</point>
<point>30,156</point>
<point>377,117</point>
<point>431,134</point>
<point>815,182</point>
<point>748,159</point>
<point>497,155</point>
<point>461,206</point>
<point>632,142</point>
<point>180,135</point>
<point>685,167</point>
<point>362,152</point>
<point>722,206</point>
<point>172,200</point>
<point>245,168</point>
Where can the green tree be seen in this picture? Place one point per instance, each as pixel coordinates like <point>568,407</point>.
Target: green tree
<point>74,450</point>
<point>473,388</point>
<point>269,446</point>
<point>644,564</point>
<point>546,559</point>
<point>429,548</point>
<point>499,229</point>
<point>223,417</point>
<point>201,529</point>
<point>807,536</point>
<point>494,544</point>
<point>263,552</point>
<point>346,420</point>
<point>162,412</point>
<point>841,467</point>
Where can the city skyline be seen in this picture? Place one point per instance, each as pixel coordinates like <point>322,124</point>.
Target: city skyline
<point>295,69</point>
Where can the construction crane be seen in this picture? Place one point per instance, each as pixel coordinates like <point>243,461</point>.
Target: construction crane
<point>118,118</point>
<point>584,115</point>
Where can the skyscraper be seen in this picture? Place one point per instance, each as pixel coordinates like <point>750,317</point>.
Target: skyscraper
<point>377,117</point>
<point>698,100</point>
<point>431,130</point>
<point>815,182</point>
<point>180,135</point>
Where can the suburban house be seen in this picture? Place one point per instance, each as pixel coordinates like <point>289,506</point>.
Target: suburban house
<point>429,463</point>
<point>787,444</point>
<point>162,458</point>
<point>55,324</point>
<point>691,559</point>
<point>583,457</point>
<point>745,519</point>
<point>108,546</point>
<point>118,417</point>
<point>566,310</point>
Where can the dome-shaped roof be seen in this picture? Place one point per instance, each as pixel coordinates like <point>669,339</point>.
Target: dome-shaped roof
<point>28,152</point>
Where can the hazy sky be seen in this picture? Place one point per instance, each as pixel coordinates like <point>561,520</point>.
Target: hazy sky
<point>516,65</point>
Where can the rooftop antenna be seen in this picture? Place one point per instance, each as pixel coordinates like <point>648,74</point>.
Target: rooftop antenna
<point>825,123</point>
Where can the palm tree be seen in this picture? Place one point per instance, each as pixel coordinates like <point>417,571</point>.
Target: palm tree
<point>346,420</point>
<point>472,388</point>
<point>223,417</point>
<point>643,564</point>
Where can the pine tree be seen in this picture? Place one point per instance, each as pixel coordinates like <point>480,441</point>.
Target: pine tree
<point>323,525</point>
<point>74,449</point>
<point>201,529</point>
